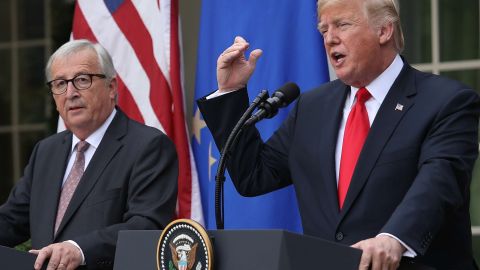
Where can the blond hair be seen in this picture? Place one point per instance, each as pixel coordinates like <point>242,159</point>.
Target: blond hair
<point>378,13</point>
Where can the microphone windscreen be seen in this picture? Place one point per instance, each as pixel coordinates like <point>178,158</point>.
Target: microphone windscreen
<point>290,92</point>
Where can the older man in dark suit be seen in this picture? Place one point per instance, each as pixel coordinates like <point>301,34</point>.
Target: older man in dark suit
<point>380,159</point>
<point>104,174</point>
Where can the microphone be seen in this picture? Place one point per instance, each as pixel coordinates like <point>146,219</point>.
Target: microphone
<point>279,99</point>
<point>268,107</point>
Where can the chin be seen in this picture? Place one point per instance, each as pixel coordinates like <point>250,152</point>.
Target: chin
<point>342,76</point>
<point>76,122</point>
<point>346,77</point>
<point>341,71</point>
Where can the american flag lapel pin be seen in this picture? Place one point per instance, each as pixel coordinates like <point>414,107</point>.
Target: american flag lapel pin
<point>399,107</point>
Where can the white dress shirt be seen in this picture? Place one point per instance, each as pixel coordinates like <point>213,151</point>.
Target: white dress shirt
<point>94,140</point>
<point>378,88</point>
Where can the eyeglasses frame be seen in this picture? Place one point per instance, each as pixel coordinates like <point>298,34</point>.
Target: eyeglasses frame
<point>91,75</point>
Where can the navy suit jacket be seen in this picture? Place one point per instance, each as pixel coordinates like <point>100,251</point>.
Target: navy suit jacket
<point>129,184</point>
<point>412,177</point>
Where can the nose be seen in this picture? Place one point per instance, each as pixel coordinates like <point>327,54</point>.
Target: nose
<point>71,90</point>
<point>331,37</point>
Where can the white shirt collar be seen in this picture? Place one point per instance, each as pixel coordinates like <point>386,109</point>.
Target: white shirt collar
<point>379,87</point>
<point>96,137</point>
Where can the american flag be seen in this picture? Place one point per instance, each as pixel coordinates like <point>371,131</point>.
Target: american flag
<point>143,38</point>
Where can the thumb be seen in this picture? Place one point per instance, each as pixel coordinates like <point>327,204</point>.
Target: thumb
<point>254,55</point>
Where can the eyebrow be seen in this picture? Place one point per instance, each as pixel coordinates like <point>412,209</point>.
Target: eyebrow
<point>323,25</point>
<point>83,72</point>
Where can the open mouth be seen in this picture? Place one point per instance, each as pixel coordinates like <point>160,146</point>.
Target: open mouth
<point>337,57</point>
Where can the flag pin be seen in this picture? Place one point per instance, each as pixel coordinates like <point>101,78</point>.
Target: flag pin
<point>399,107</point>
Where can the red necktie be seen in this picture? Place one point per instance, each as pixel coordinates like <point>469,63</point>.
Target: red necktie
<point>356,131</point>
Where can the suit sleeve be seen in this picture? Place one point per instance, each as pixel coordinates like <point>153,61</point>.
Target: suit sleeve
<point>152,194</point>
<point>255,167</point>
<point>439,194</point>
<point>15,213</point>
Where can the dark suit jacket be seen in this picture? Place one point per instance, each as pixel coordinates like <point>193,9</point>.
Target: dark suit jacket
<point>412,178</point>
<point>130,183</point>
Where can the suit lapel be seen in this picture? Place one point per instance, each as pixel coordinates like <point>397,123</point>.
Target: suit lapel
<point>388,116</point>
<point>333,109</point>
<point>107,149</point>
<point>52,186</point>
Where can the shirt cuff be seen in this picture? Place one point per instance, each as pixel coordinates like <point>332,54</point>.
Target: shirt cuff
<point>81,251</point>
<point>409,252</point>
<point>218,93</point>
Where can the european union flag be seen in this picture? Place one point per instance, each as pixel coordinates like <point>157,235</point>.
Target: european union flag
<point>293,50</point>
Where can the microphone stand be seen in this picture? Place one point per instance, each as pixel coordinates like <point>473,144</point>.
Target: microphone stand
<point>225,154</point>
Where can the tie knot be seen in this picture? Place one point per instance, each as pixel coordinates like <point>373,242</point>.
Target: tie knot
<point>363,95</point>
<point>82,146</point>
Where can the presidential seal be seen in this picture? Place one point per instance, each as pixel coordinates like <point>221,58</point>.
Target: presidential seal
<point>184,245</point>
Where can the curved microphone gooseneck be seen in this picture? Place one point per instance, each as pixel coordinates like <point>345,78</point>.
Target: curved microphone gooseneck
<point>225,154</point>
<point>267,108</point>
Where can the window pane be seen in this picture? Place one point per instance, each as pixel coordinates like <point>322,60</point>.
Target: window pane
<point>61,22</point>
<point>33,93</point>
<point>5,33</point>
<point>468,77</point>
<point>31,19</point>
<point>475,198</point>
<point>27,142</point>
<point>5,87</point>
<point>472,79</point>
<point>416,23</point>
<point>6,166</point>
<point>459,30</point>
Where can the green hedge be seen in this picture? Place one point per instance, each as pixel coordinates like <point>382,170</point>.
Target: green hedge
<point>25,246</point>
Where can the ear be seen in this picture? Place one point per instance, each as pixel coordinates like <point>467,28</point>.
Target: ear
<point>385,33</point>
<point>112,87</point>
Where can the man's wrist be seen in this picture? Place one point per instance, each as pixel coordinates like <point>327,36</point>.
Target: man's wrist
<point>220,93</point>
<point>409,252</point>
<point>79,248</point>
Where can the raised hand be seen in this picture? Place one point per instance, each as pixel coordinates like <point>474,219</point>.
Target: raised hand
<point>233,69</point>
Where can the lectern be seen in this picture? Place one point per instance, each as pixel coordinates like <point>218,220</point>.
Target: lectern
<point>247,249</point>
<point>11,259</point>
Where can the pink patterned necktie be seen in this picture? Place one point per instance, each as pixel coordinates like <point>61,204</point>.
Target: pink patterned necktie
<point>72,182</point>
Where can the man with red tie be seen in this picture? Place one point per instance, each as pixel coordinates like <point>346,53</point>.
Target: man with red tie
<point>381,159</point>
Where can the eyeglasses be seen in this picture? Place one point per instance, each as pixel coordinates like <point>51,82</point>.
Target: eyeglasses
<point>80,82</point>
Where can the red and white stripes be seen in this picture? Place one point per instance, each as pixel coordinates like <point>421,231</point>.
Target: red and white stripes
<point>142,36</point>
